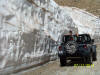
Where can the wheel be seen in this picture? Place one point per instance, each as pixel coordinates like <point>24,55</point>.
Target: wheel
<point>62,61</point>
<point>94,57</point>
<point>89,59</point>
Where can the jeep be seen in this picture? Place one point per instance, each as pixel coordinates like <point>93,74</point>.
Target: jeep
<point>80,46</point>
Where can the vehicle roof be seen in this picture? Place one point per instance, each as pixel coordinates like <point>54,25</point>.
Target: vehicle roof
<point>75,35</point>
<point>83,34</point>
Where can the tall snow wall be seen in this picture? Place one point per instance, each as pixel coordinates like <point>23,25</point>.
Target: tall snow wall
<point>85,22</point>
<point>29,31</point>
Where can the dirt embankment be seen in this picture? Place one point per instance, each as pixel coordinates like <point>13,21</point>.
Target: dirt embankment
<point>92,6</point>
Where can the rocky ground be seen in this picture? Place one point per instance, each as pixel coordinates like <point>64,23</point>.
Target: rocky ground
<point>92,6</point>
<point>53,68</point>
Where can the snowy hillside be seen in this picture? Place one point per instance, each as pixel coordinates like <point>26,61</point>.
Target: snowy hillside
<point>30,28</point>
<point>85,22</point>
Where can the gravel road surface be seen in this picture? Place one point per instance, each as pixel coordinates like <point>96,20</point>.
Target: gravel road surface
<point>53,68</point>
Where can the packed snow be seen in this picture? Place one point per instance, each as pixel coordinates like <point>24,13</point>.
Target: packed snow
<point>31,29</point>
<point>85,22</point>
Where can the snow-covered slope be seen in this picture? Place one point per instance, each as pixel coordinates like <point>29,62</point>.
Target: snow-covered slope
<point>30,28</point>
<point>86,22</point>
<point>28,31</point>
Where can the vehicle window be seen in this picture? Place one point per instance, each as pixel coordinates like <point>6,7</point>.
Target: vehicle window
<point>67,38</point>
<point>78,39</point>
<point>84,39</point>
<point>75,38</point>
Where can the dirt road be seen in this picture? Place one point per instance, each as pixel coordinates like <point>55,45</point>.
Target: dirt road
<point>53,68</point>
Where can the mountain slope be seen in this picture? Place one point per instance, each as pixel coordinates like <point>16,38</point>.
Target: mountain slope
<point>92,6</point>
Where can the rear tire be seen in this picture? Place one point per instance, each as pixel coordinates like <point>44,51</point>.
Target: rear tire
<point>62,61</point>
<point>89,59</point>
<point>94,57</point>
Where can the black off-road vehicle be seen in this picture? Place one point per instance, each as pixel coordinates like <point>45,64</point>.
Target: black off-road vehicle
<point>73,47</point>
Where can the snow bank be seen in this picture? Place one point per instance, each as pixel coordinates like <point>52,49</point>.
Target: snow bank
<point>29,30</point>
<point>85,22</point>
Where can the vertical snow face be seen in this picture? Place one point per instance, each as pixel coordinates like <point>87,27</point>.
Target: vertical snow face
<point>85,22</point>
<point>29,29</point>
